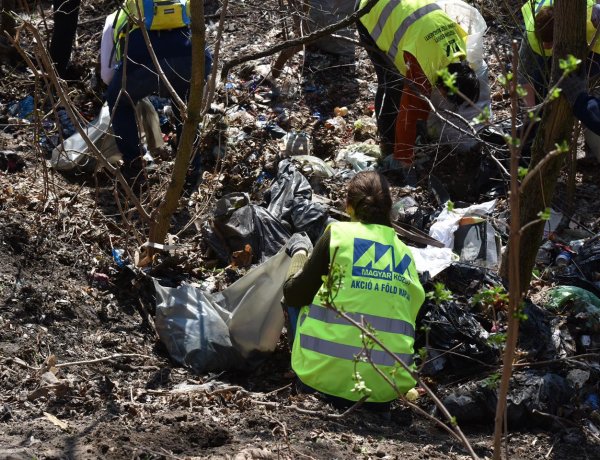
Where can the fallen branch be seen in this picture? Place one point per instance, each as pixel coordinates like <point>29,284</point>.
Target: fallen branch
<point>100,360</point>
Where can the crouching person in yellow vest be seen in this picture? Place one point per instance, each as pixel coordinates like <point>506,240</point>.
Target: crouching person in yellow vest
<point>409,41</point>
<point>535,53</point>
<point>380,286</point>
<point>126,64</point>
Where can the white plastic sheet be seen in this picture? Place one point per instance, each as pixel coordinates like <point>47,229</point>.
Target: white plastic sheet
<point>74,152</point>
<point>433,260</point>
<point>475,247</point>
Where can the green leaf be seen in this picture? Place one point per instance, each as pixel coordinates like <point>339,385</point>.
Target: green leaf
<point>569,65</point>
<point>521,92</point>
<point>497,339</point>
<point>522,172</point>
<point>563,147</point>
<point>439,294</point>
<point>492,381</point>
<point>545,214</point>
<point>483,117</point>
<point>555,93</point>
<point>448,79</point>
<point>450,206</point>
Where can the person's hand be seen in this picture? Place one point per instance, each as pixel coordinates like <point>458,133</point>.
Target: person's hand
<point>572,86</point>
<point>298,242</point>
<point>596,15</point>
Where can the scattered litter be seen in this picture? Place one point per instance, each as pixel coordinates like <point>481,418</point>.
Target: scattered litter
<point>337,124</point>
<point>23,109</point>
<point>118,257</point>
<point>577,302</point>
<point>311,165</point>
<point>296,143</point>
<point>361,155</point>
<point>533,396</point>
<point>433,260</point>
<point>59,423</point>
<point>452,327</point>
<point>552,224</point>
<point>340,111</point>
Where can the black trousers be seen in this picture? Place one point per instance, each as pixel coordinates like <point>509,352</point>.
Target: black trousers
<point>389,91</point>
<point>66,13</point>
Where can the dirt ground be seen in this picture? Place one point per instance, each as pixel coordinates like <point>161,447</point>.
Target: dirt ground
<point>82,373</point>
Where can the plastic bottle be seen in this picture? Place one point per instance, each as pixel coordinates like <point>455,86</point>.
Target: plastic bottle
<point>563,259</point>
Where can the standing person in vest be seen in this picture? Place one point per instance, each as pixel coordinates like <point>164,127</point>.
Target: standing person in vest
<point>167,22</point>
<point>535,53</point>
<point>380,285</point>
<point>409,42</point>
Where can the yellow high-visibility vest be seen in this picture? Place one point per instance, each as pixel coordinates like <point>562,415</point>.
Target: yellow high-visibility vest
<point>156,14</point>
<point>381,288</point>
<point>419,27</point>
<point>529,19</point>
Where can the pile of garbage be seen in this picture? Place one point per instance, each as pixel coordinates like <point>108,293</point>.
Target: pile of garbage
<point>298,185</point>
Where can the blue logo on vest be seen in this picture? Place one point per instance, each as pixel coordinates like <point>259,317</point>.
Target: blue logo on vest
<point>375,260</point>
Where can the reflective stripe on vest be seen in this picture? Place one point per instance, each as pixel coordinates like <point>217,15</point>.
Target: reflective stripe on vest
<point>385,15</point>
<point>379,323</point>
<point>409,21</point>
<point>341,351</point>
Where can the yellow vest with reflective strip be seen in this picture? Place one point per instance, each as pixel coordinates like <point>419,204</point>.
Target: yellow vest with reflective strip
<point>419,27</point>
<point>532,39</point>
<point>380,287</point>
<point>156,14</point>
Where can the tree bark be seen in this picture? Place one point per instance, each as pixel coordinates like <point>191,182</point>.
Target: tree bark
<point>556,126</point>
<point>162,216</point>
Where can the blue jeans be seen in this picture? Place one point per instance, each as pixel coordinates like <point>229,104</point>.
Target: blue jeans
<point>174,52</point>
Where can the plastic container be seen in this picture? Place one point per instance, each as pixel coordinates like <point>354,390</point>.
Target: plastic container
<point>296,143</point>
<point>563,259</point>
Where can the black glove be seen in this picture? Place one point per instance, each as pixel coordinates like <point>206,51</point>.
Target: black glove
<point>572,86</point>
<point>298,241</point>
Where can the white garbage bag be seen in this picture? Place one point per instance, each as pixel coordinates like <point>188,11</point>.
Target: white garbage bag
<point>74,152</point>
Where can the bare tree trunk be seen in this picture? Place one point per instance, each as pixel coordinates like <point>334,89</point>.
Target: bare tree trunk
<point>536,190</point>
<point>162,216</point>
<point>556,126</point>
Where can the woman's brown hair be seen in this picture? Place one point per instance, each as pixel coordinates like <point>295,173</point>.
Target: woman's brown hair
<point>544,24</point>
<point>369,196</point>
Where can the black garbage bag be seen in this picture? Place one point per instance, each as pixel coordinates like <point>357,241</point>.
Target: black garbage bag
<point>539,337</point>
<point>585,269</point>
<point>532,396</point>
<point>237,223</point>
<point>454,327</point>
<point>290,199</point>
<point>468,279</point>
